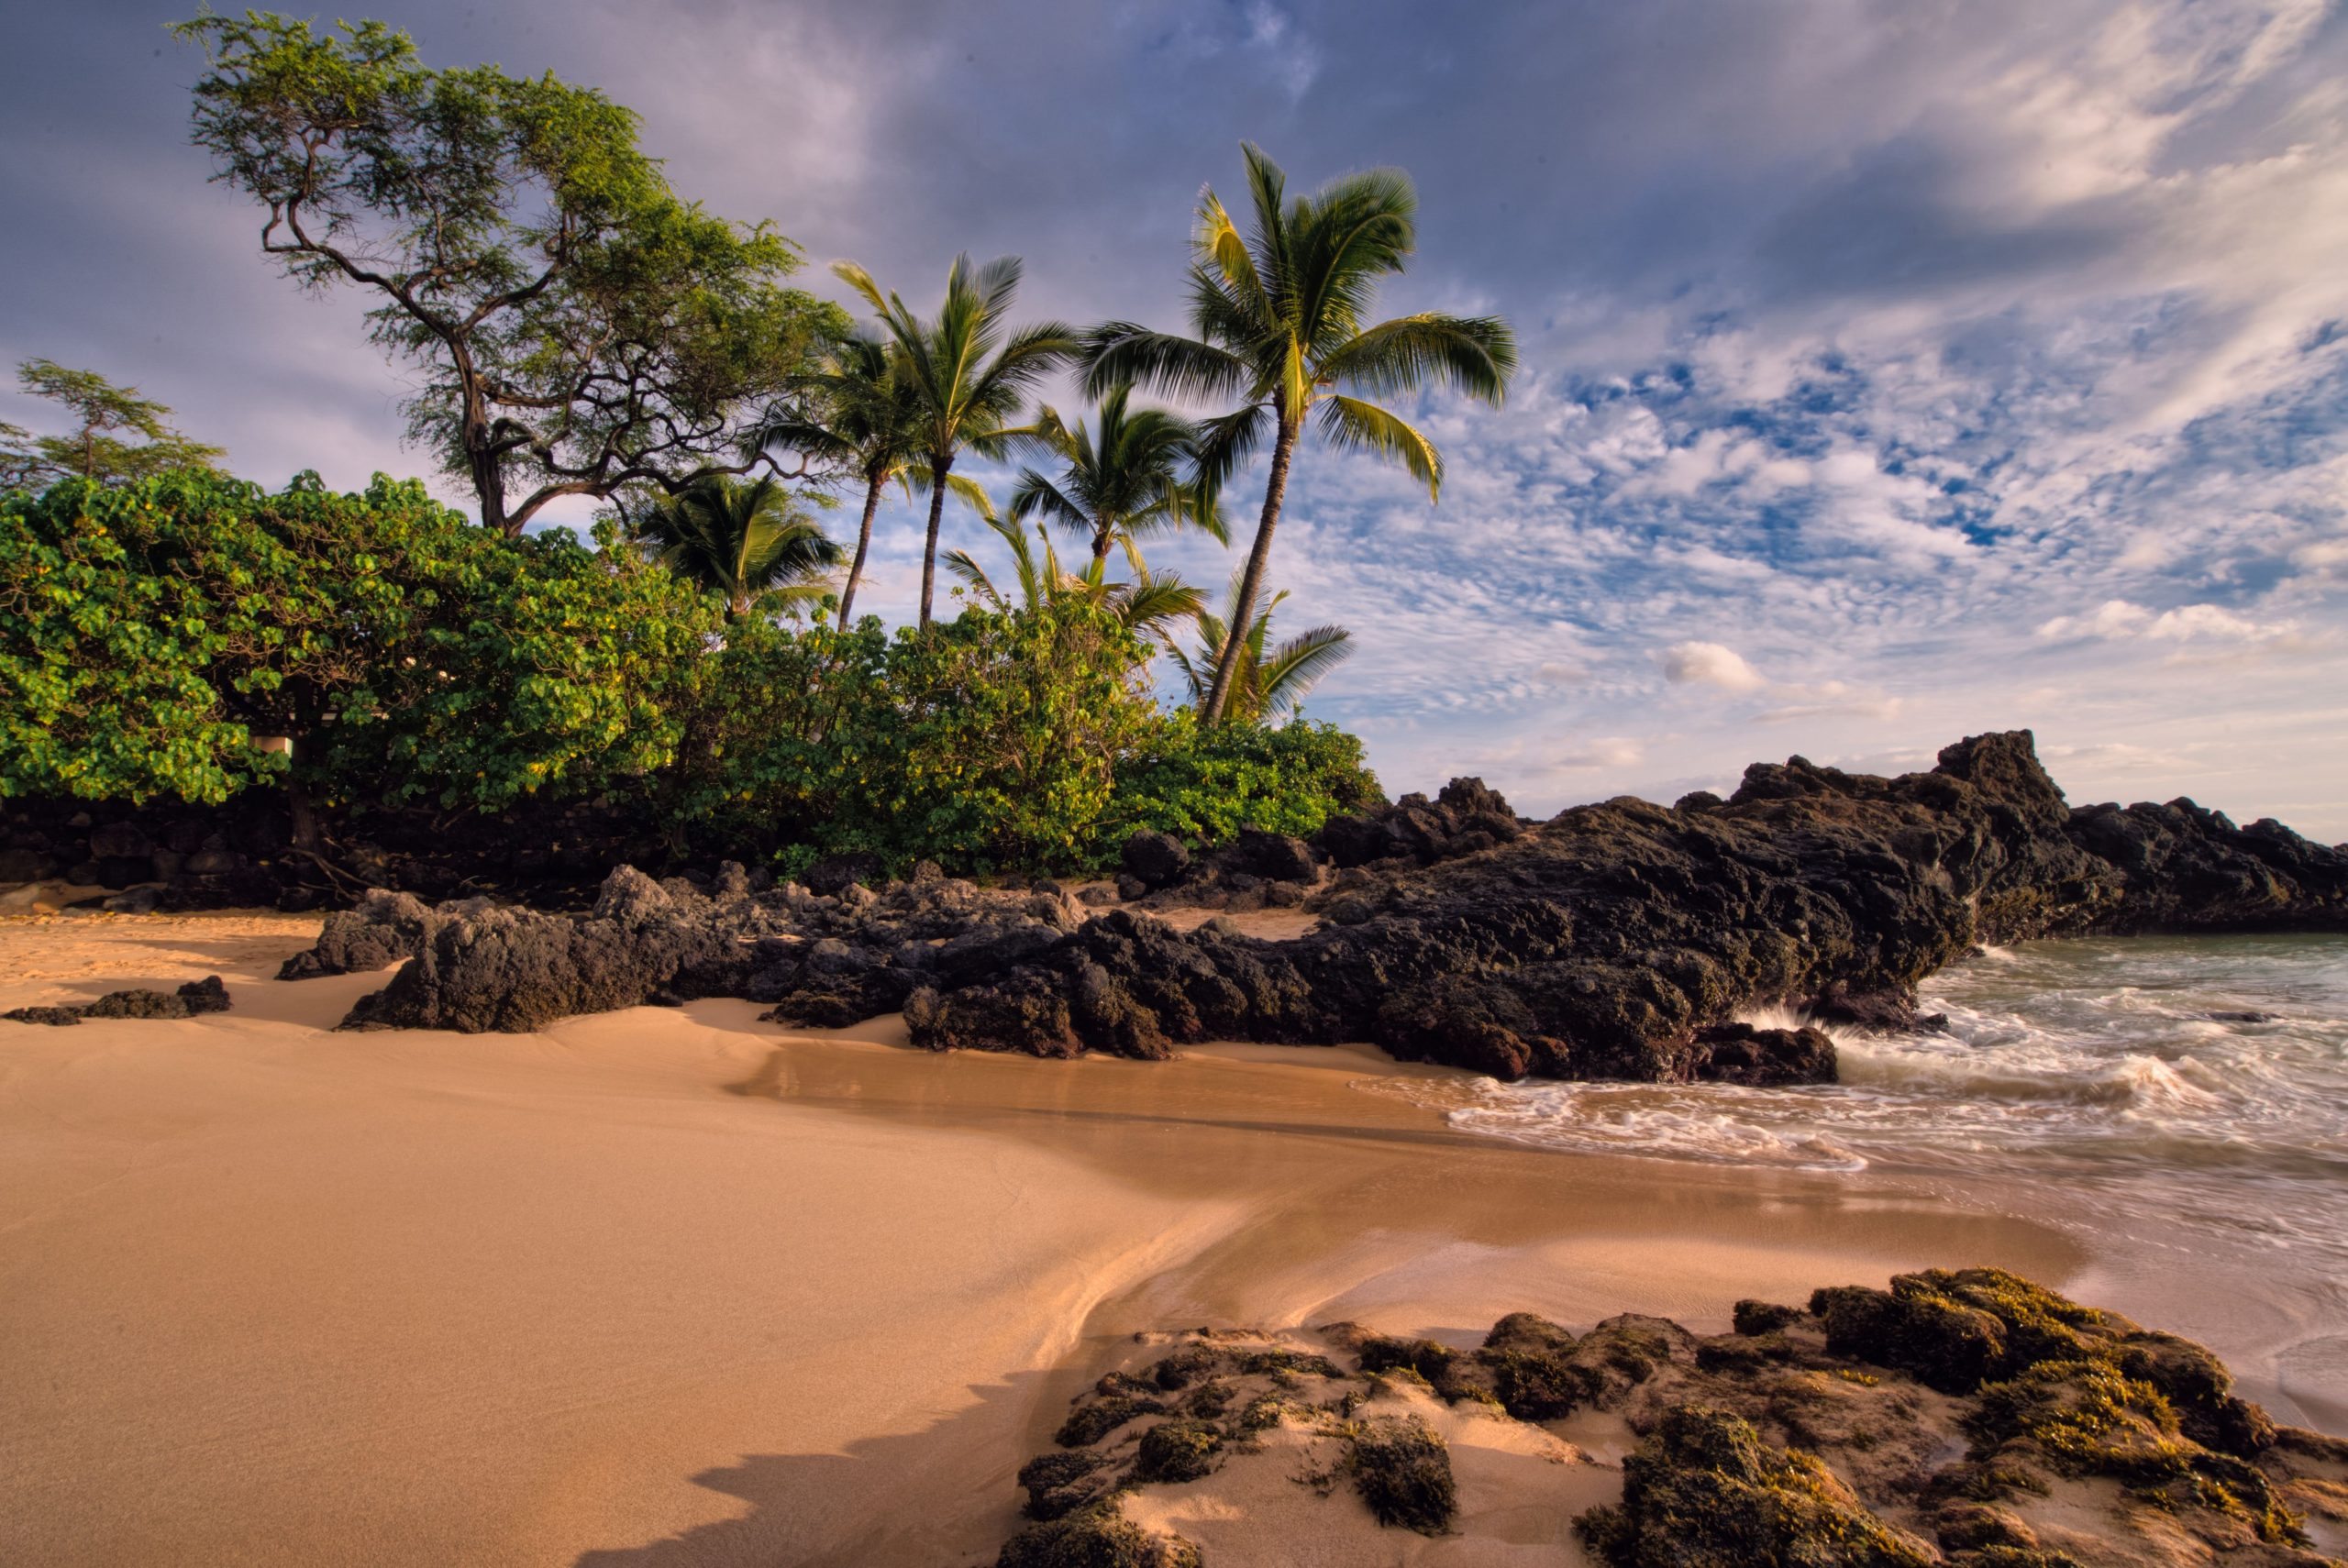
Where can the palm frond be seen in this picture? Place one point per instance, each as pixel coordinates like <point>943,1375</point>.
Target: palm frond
<point>1179,367</point>
<point>1474,355</point>
<point>1286,673</point>
<point>1350,424</point>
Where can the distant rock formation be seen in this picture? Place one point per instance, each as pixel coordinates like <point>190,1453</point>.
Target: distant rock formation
<point>1615,941</point>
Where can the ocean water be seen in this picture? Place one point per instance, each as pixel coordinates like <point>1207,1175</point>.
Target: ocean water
<point>2189,1093</point>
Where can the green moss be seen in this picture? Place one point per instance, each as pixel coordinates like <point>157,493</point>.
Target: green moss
<point>1089,1423</point>
<point>1534,1386</point>
<point>1263,1414</point>
<point>1706,1491</point>
<point>2201,1389</point>
<point>1403,1470</point>
<point>1176,1450</point>
<point>1096,1538</point>
<point>1287,1363</point>
<point>2085,1418</point>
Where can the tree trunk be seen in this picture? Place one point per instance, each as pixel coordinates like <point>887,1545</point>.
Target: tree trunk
<point>489,484</point>
<point>872,484</point>
<point>1243,613</point>
<point>297,806</point>
<point>939,463</point>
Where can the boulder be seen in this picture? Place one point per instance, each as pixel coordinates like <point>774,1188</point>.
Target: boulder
<point>1155,859</point>
<point>1273,857</point>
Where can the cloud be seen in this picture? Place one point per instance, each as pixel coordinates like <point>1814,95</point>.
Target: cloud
<point>2118,619</point>
<point>1708,664</point>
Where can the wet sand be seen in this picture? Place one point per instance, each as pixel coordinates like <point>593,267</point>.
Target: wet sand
<point>658,1288</point>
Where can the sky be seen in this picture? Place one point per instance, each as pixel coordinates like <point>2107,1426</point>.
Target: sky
<point>1892,369</point>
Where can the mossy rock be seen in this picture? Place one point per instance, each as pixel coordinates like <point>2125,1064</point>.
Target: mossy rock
<point>1403,1470</point>
<point>2083,1418</point>
<point>1430,1360</point>
<point>1286,1363</point>
<point>1088,1424</point>
<point>1096,1538</point>
<point>1941,1343</point>
<point>1757,1318</point>
<point>2200,1388</point>
<point>1059,1484</point>
<point>1183,1368</point>
<point>1176,1450</point>
<point>1705,1491</point>
<point>1531,1333</point>
<point>1625,1352</point>
<point>1534,1386</point>
<point>1956,1329</point>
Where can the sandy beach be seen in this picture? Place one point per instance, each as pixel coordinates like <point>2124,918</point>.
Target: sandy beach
<point>666,1287</point>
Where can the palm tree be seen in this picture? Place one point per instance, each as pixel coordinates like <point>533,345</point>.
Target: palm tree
<point>1278,316</point>
<point>1123,486</point>
<point>1262,682</point>
<point>968,369</point>
<point>744,540</point>
<point>860,414</point>
<point>1148,603</point>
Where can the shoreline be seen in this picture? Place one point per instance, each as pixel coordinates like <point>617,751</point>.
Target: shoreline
<point>667,1287</point>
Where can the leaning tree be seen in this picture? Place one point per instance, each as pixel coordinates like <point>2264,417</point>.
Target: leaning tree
<point>578,326</point>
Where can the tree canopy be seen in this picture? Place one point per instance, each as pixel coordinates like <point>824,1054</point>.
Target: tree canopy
<point>579,327</point>
<point>94,450</point>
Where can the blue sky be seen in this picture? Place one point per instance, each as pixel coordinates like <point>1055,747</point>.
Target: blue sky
<point>1892,370</point>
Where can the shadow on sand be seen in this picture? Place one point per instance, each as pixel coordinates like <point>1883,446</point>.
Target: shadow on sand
<point>851,1509</point>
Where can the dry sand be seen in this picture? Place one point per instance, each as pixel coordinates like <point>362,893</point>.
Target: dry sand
<point>658,1288</point>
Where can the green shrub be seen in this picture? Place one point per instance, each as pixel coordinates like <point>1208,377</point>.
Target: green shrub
<point>150,632</point>
<point>1206,785</point>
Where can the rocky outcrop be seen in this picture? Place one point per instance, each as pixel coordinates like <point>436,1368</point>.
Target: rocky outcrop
<point>1966,1418</point>
<point>1616,940</point>
<point>189,1001</point>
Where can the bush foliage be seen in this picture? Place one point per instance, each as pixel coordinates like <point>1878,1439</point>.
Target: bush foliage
<point>150,634</point>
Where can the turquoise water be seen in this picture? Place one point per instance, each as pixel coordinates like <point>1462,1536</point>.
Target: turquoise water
<point>2118,1074</point>
<point>2179,1104</point>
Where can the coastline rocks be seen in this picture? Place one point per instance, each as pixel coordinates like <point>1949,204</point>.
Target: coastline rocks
<point>1467,816</point>
<point>191,1001</point>
<point>1616,940</point>
<point>384,928</point>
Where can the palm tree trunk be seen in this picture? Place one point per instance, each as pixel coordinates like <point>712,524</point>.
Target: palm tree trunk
<point>1243,613</point>
<point>939,464</point>
<point>863,542</point>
